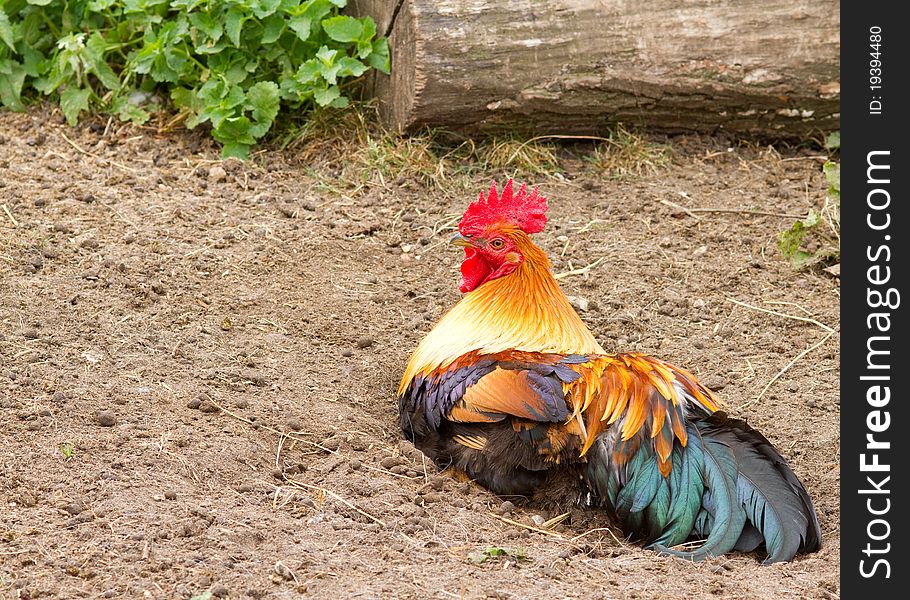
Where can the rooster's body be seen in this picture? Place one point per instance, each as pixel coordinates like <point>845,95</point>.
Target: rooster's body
<point>512,388</point>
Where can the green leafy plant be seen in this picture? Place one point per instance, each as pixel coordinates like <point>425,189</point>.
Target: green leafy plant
<point>816,238</point>
<point>67,449</point>
<point>231,64</point>
<point>497,553</point>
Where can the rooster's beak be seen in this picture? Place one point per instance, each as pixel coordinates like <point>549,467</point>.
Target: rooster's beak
<point>460,240</point>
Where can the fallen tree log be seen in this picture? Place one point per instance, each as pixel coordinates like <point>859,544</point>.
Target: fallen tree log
<point>769,69</point>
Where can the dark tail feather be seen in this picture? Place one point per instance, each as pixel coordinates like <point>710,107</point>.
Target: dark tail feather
<point>728,485</point>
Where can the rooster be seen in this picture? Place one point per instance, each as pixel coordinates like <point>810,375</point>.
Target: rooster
<point>511,388</point>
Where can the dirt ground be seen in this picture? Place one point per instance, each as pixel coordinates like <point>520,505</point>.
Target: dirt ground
<point>198,363</point>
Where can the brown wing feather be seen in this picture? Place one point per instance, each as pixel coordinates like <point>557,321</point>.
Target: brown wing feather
<point>504,392</point>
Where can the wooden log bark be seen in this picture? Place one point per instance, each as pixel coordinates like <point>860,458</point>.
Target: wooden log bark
<point>769,69</point>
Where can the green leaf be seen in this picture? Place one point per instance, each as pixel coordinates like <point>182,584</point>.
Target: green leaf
<point>73,101</point>
<point>494,552</point>
<point>263,101</point>
<point>832,142</point>
<point>365,43</point>
<point>339,102</point>
<point>127,111</point>
<point>185,5</point>
<point>264,8</point>
<point>233,24</point>
<point>40,2</point>
<point>95,61</point>
<point>325,96</point>
<point>369,29</point>
<point>343,28</point>
<point>6,31</point>
<point>308,72</point>
<point>301,26</point>
<point>235,150</point>
<point>350,67</point>
<point>12,77</point>
<point>326,56</point>
<point>812,219</point>
<point>379,59</point>
<point>272,28</point>
<point>832,175</point>
<point>207,25</point>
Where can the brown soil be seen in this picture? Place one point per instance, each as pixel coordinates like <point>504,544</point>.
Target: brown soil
<point>180,339</point>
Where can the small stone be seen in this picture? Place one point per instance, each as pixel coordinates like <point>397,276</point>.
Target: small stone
<point>356,464</point>
<point>715,382</point>
<point>217,174</point>
<point>30,334</point>
<point>505,508</point>
<point>91,274</point>
<point>36,261</point>
<point>219,591</point>
<point>194,403</point>
<point>365,342</point>
<point>294,424</point>
<point>390,461</point>
<point>170,495</point>
<point>579,302</point>
<point>58,397</point>
<point>74,508</point>
<point>208,407</point>
<point>105,418</point>
<point>89,243</point>
<point>407,258</point>
<point>331,443</point>
<point>347,352</point>
<point>129,238</point>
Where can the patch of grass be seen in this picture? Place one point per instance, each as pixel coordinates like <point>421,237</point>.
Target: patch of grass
<point>623,154</point>
<point>816,238</point>
<point>531,157</point>
<point>351,150</point>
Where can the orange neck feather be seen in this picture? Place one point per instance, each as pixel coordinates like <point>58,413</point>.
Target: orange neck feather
<point>525,310</point>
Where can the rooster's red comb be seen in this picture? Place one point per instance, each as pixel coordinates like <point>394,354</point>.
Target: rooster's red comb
<point>526,211</point>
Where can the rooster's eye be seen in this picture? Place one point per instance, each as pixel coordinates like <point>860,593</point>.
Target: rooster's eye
<point>497,244</point>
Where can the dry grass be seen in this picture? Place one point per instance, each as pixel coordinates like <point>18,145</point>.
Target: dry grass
<point>624,153</point>
<point>523,157</point>
<point>351,150</point>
